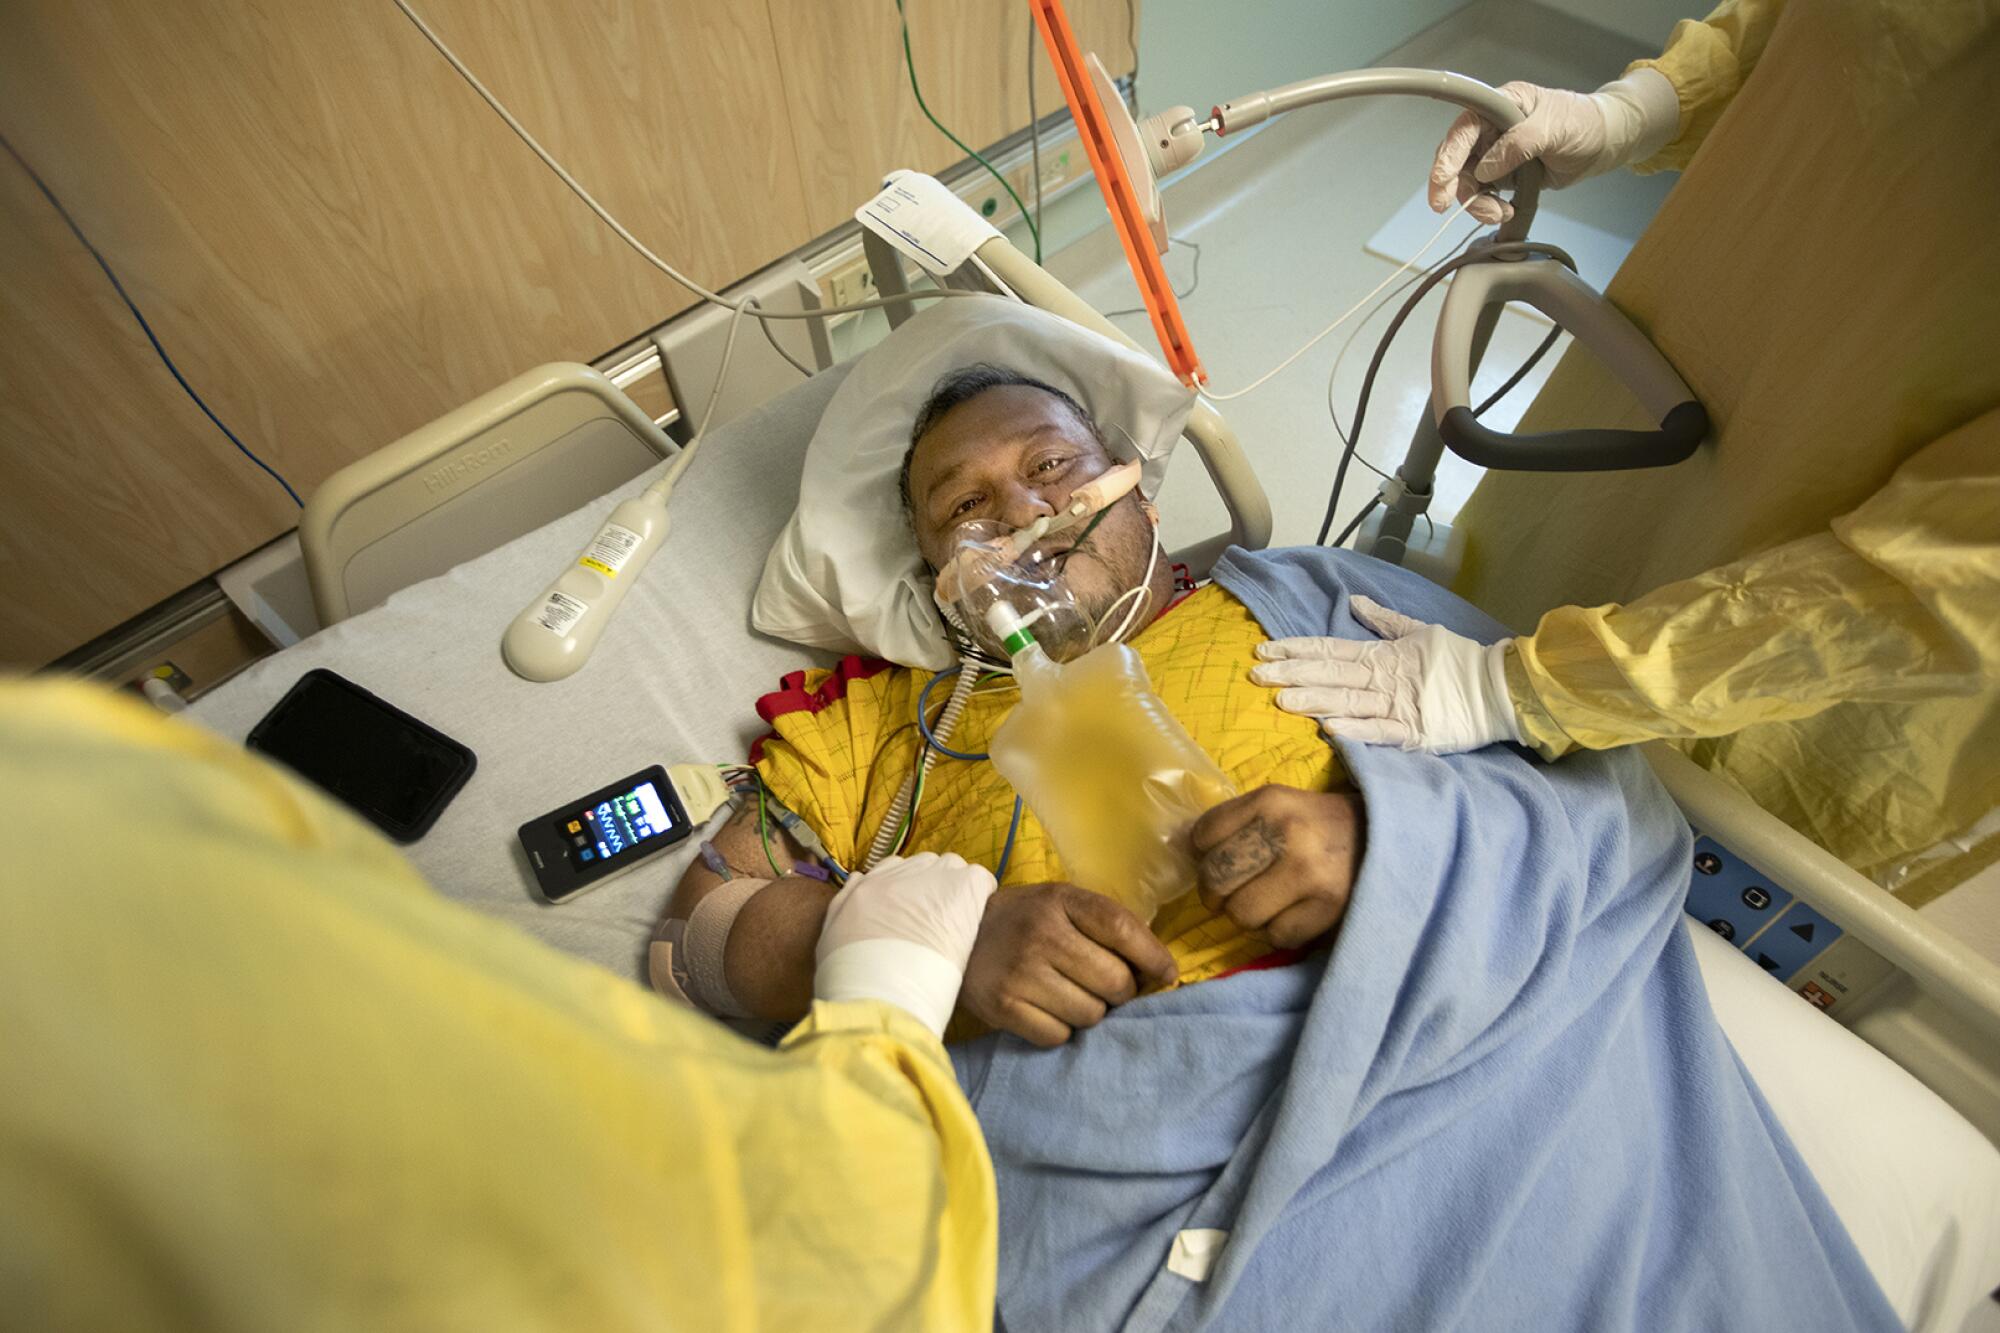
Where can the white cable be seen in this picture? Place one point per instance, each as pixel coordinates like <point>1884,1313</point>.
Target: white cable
<point>777,346</point>
<point>1347,314</point>
<point>1097,635</point>
<point>1142,593</point>
<point>604,214</point>
<point>664,487</point>
<point>1347,345</point>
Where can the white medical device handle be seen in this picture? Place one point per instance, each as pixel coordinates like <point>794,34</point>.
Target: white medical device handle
<point>1565,298</point>
<point>1439,84</point>
<point>555,635</point>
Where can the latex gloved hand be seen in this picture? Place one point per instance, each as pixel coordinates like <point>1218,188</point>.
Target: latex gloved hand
<point>1573,136</point>
<point>901,933</point>
<point>1421,688</point>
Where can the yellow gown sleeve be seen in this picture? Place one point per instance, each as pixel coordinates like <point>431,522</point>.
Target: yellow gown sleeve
<point>1707,60</point>
<point>1899,600</point>
<point>258,1075</point>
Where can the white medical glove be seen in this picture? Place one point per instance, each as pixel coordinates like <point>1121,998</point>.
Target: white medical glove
<point>1573,136</point>
<point>1421,688</point>
<point>901,933</point>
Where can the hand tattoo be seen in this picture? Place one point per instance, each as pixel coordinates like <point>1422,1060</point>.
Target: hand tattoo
<point>1242,856</point>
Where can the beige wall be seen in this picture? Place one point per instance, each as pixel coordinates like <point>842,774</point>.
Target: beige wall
<point>337,241</point>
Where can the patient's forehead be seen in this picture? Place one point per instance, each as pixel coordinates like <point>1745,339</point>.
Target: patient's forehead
<point>991,427</point>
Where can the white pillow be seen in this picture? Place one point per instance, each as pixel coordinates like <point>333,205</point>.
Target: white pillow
<point>845,573</point>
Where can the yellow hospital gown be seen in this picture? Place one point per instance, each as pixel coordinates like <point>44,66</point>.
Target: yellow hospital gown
<point>1811,604</point>
<point>846,739</point>
<point>255,1075</point>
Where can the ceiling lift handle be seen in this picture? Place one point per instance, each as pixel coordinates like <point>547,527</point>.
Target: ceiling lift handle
<point>1565,298</point>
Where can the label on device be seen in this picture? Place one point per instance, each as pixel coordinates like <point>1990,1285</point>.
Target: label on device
<point>920,216</point>
<point>559,612</point>
<point>610,549</point>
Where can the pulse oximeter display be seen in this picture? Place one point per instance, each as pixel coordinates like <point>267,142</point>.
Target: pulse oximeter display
<point>583,842</point>
<point>617,824</point>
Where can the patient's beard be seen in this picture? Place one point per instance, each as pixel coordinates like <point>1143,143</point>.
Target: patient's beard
<point>1109,562</point>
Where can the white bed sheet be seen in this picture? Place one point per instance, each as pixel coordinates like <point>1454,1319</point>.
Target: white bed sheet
<point>675,679</point>
<point>1917,1187</point>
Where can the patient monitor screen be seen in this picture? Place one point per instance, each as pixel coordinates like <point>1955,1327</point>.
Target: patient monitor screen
<point>617,824</point>
<point>587,840</point>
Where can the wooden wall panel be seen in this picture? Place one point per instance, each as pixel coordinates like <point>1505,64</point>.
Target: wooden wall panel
<point>95,522</point>
<point>336,241</point>
<point>852,114</point>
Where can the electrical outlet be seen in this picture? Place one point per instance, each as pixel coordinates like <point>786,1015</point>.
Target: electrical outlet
<point>851,282</point>
<point>1060,166</point>
<point>1056,169</point>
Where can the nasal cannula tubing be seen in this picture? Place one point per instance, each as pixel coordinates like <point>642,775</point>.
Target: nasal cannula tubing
<point>1141,593</point>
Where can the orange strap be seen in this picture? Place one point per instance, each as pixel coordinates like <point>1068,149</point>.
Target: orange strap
<point>1119,195</point>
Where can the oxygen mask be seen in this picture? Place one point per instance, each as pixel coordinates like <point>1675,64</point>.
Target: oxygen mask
<point>989,566</point>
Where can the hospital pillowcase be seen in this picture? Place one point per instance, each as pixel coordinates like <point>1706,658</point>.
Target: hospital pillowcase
<point>845,573</point>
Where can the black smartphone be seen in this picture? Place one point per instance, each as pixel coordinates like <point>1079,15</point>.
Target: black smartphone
<point>584,842</point>
<point>394,771</point>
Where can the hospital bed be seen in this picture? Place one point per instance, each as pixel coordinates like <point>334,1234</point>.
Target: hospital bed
<point>676,677</point>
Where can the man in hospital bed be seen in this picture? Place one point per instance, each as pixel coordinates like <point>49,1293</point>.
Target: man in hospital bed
<point>1500,1098</point>
<point>1276,864</point>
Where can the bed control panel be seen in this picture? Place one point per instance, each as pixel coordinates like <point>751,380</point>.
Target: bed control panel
<point>1788,938</point>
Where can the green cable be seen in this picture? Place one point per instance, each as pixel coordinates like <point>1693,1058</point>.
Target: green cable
<point>903,830</point>
<point>910,63</point>
<point>764,835</point>
<point>909,815</point>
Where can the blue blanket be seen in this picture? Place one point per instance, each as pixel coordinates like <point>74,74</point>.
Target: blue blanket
<point>1500,1101</point>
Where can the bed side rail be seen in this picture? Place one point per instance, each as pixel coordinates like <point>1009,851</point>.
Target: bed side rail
<point>1941,1018</point>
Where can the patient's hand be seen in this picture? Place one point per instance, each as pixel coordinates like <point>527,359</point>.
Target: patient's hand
<point>1052,958</point>
<point>1280,862</point>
